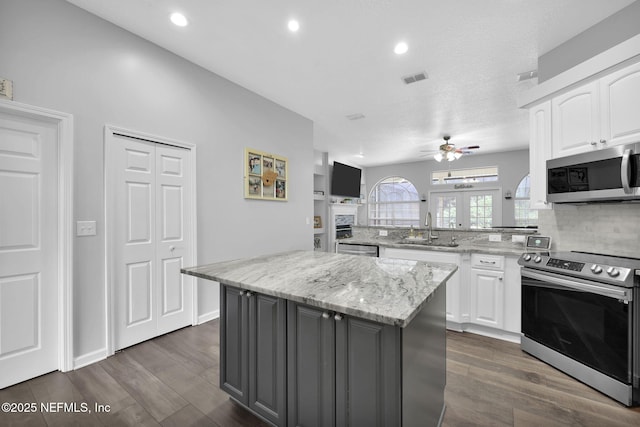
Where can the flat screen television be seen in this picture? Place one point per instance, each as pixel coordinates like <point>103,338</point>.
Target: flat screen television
<point>345,180</point>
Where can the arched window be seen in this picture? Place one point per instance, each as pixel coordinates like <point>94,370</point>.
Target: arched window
<point>525,216</point>
<point>394,201</point>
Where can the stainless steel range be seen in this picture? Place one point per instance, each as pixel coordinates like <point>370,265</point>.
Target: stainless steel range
<point>581,314</point>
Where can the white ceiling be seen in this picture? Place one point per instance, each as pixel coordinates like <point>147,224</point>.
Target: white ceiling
<point>341,62</point>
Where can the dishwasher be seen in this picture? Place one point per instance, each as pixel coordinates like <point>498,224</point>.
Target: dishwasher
<point>357,249</point>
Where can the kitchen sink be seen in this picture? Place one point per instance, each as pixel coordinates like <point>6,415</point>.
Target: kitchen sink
<point>425,242</point>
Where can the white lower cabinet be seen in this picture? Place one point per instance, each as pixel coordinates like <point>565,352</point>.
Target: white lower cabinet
<point>483,296</point>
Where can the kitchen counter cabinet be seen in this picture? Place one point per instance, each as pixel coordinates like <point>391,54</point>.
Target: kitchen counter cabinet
<point>317,339</point>
<point>483,296</point>
<point>487,290</point>
<point>252,351</point>
<point>343,370</point>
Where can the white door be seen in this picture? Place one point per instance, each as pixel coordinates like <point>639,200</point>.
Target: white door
<point>575,127</point>
<point>487,298</point>
<point>28,248</point>
<point>151,239</point>
<point>620,103</point>
<point>466,209</point>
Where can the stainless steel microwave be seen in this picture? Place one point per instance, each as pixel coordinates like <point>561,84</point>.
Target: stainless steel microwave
<point>612,174</point>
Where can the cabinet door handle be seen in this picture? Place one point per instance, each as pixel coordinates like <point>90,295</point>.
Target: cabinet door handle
<point>603,141</point>
<point>249,294</point>
<point>325,315</point>
<point>593,143</point>
<point>338,316</point>
<point>500,278</point>
<point>242,293</point>
<point>487,262</point>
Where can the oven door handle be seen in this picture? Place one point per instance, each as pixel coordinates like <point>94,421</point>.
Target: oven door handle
<point>619,294</point>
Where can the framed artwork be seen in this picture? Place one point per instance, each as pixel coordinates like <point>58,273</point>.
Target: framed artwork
<point>265,176</point>
<point>317,222</point>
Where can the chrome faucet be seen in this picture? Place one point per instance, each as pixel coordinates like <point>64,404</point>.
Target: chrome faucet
<point>429,225</point>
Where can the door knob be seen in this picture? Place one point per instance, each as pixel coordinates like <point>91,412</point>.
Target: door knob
<point>172,248</point>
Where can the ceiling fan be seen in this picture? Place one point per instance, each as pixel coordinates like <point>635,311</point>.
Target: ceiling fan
<point>449,151</point>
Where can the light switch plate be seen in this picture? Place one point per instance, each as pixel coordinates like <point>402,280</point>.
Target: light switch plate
<point>382,233</point>
<point>495,238</point>
<point>85,228</point>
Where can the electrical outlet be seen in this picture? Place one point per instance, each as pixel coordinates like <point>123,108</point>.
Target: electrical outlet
<point>517,238</point>
<point>383,233</point>
<point>85,228</point>
<point>495,237</point>
<point>6,88</point>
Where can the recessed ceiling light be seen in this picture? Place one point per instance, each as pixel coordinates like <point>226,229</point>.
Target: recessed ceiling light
<point>293,25</point>
<point>401,48</point>
<point>179,19</point>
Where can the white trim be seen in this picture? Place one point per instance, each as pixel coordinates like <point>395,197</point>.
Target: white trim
<point>109,130</point>
<point>65,223</point>
<point>208,316</point>
<point>622,54</point>
<point>89,358</point>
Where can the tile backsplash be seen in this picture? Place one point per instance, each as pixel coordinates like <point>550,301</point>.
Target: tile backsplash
<point>611,228</point>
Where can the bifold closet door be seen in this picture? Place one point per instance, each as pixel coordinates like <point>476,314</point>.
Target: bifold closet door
<point>151,239</point>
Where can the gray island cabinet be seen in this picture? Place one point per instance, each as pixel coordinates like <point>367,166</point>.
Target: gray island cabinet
<point>317,339</point>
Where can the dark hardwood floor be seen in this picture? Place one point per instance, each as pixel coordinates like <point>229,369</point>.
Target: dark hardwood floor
<point>172,381</point>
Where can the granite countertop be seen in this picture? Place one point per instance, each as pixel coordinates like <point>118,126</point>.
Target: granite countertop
<point>389,291</point>
<point>485,248</point>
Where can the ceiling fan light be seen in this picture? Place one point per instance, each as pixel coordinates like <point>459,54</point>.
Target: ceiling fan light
<point>438,157</point>
<point>450,156</point>
<point>457,155</point>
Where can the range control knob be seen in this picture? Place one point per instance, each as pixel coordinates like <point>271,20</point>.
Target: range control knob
<point>596,269</point>
<point>613,272</point>
<point>527,257</point>
<point>537,259</point>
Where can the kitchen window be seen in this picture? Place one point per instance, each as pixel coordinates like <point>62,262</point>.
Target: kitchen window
<point>465,176</point>
<point>524,215</point>
<point>394,201</point>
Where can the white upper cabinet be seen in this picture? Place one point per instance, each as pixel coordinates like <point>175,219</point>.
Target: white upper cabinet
<point>576,121</point>
<point>539,153</point>
<point>620,106</point>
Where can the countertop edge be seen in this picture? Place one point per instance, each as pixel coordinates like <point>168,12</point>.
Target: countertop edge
<point>324,304</point>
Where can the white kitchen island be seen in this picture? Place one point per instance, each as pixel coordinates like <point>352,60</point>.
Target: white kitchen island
<point>319,339</point>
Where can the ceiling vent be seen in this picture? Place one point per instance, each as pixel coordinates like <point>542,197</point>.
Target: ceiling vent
<point>356,116</point>
<point>415,78</point>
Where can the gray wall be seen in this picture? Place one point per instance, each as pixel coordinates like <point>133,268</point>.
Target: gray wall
<point>604,35</point>
<point>512,167</point>
<point>62,58</point>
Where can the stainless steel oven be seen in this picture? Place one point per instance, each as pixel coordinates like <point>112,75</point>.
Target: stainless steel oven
<point>612,174</point>
<point>580,313</point>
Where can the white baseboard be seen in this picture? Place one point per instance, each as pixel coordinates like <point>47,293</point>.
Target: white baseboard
<point>89,358</point>
<point>208,316</point>
<point>484,331</point>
